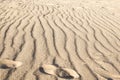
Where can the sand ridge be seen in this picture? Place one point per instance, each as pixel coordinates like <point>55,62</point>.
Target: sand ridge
<point>81,35</point>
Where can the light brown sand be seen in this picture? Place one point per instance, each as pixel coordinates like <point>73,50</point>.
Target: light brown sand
<point>83,35</point>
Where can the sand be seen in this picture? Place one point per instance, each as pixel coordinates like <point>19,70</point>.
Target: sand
<point>82,35</point>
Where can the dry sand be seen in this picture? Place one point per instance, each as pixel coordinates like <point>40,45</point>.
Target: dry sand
<point>83,35</point>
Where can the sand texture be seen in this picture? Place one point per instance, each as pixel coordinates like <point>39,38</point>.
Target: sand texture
<point>79,35</point>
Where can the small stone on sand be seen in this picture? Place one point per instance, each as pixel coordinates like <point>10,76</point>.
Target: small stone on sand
<point>60,72</point>
<point>6,63</point>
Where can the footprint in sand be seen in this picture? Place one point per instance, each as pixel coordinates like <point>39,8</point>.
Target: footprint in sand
<point>60,72</point>
<point>6,63</point>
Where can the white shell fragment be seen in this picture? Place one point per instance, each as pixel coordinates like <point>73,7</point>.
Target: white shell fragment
<point>49,69</point>
<point>71,72</point>
<point>60,72</point>
<point>10,63</point>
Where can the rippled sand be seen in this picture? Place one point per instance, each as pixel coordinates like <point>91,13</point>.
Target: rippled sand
<point>83,35</point>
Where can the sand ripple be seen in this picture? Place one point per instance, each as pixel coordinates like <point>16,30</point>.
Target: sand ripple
<point>84,37</point>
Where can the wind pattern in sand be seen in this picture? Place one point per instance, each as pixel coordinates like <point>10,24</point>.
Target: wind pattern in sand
<point>85,39</point>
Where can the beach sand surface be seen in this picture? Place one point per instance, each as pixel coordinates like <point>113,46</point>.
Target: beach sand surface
<point>82,35</point>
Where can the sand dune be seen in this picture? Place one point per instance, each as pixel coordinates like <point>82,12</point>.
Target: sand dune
<point>81,35</point>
